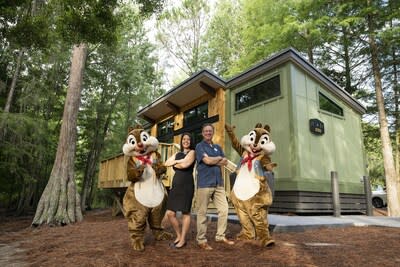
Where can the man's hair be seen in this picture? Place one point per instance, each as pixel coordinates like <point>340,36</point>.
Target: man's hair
<point>207,124</point>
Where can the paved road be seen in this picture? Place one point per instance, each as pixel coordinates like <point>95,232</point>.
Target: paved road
<point>284,223</point>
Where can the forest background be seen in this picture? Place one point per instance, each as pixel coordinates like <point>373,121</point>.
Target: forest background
<point>110,58</point>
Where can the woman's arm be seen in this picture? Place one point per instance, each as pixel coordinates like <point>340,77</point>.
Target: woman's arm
<point>186,161</point>
<point>170,161</point>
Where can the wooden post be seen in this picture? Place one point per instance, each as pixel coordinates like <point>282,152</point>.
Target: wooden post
<point>368,195</point>
<point>335,194</point>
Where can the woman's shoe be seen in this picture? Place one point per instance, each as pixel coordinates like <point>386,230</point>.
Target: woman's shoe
<point>184,244</point>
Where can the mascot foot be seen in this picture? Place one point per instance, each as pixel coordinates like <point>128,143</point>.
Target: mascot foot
<point>162,235</point>
<point>267,242</point>
<point>138,245</point>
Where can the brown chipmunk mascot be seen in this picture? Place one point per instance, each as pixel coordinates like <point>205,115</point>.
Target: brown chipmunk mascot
<point>251,195</point>
<point>145,198</point>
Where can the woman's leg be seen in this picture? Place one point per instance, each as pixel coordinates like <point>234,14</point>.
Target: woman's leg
<point>185,229</point>
<point>175,224</point>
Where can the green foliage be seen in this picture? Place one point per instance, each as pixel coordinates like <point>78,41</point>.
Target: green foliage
<point>26,153</point>
<point>23,24</point>
<point>223,43</point>
<point>373,148</point>
<point>88,21</point>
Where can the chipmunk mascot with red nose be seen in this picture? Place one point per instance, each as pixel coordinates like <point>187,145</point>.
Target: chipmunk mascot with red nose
<point>251,195</point>
<point>145,198</point>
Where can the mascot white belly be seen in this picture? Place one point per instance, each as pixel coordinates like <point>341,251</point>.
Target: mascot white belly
<point>246,185</point>
<point>149,191</point>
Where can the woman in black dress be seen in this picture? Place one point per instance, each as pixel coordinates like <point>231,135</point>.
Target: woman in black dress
<point>181,195</point>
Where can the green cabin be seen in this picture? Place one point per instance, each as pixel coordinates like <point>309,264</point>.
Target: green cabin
<point>315,124</point>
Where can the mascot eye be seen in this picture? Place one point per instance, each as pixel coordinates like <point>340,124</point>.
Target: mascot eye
<point>131,140</point>
<point>252,135</point>
<point>264,140</point>
<point>145,136</point>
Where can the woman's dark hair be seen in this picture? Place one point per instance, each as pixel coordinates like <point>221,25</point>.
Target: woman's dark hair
<point>191,141</point>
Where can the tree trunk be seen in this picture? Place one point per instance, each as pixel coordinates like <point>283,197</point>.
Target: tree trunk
<point>13,82</point>
<point>388,161</point>
<point>346,57</point>
<point>60,201</point>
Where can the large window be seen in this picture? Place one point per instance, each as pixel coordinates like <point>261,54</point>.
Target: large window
<point>195,114</point>
<point>258,93</point>
<point>165,131</point>
<point>328,105</point>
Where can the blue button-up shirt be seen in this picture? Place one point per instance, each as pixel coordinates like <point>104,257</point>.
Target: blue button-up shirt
<point>208,175</point>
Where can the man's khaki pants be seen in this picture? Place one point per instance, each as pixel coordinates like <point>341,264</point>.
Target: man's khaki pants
<point>218,196</point>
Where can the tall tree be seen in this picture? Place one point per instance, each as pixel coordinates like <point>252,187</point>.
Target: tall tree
<point>388,161</point>
<point>81,22</point>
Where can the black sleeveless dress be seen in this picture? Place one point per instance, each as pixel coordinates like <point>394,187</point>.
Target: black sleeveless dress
<point>181,195</point>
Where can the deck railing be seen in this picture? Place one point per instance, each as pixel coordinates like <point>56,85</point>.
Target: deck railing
<point>112,172</point>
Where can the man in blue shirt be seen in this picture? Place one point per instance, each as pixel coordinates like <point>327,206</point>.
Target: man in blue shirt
<point>210,185</point>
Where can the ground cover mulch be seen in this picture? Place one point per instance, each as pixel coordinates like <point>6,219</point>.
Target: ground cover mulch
<point>103,240</point>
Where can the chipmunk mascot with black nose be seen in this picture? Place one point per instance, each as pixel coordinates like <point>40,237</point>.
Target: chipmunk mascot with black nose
<point>251,194</point>
<point>145,198</point>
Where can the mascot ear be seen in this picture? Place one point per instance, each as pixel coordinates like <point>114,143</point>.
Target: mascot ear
<point>266,127</point>
<point>258,125</point>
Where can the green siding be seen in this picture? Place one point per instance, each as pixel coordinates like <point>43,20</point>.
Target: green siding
<point>304,159</point>
<point>339,149</point>
<point>275,113</point>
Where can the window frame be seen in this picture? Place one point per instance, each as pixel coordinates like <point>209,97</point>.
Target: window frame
<point>332,102</point>
<point>253,85</point>
<point>197,118</point>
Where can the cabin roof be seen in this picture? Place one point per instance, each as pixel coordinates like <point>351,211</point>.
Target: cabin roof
<point>206,82</point>
<point>196,86</point>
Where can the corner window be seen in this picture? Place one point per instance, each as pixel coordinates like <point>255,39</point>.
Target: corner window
<point>328,105</point>
<point>195,114</point>
<point>165,131</point>
<point>263,91</point>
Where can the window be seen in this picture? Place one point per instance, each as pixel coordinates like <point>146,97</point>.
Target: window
<point>195,114</point>
<point>258,93</point>
<point>165,131</point>
<point>328,105</point>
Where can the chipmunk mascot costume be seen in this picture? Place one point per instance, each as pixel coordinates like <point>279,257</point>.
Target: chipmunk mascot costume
<point>251,194</point>
<point>145,198</point>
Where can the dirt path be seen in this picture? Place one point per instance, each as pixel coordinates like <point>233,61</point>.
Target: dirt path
<point>103,240</point>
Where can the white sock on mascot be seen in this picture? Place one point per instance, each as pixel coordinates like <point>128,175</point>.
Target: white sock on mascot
<point>251,195</point>
<point>145,198</point>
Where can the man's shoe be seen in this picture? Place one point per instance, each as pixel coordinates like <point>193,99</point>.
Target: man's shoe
<point>226,241</point>
<point>205,246</point>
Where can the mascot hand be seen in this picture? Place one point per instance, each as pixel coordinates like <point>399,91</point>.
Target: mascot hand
<point>159,169</point>
<point>135,173</point>
<point>229,128</point>
<point>270,166</point>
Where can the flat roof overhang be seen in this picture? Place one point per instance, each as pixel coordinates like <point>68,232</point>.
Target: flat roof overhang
<point>291,55</point>
<point>196,86</point>
<point>205,83</point>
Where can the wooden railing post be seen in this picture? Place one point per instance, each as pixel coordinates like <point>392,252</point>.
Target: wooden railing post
<point>368,195</point>
<point>335,194</point>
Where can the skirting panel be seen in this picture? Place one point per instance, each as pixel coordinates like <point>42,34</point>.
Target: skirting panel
<point>316,202</point>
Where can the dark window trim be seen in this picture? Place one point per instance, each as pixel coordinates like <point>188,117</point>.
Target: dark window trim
<point>251,86</point>
<point>332,102</point>
<point>194,108</point>
<point>169,134</point>
<point>196,125</point>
